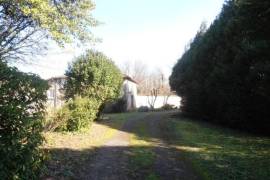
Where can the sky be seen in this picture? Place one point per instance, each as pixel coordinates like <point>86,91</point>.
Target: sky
<point>154,32</point>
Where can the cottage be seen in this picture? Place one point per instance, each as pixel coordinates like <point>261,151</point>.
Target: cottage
<point>55,93</point>
<point>130,92</point>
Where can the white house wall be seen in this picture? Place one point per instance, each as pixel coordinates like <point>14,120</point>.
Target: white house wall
<point>130,87</point>
<point>143,101</point>
<point>130,93</point>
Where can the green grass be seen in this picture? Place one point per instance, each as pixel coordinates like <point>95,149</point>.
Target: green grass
<point>215,152</point>
<point>142,157</point>
<point>220,153</point>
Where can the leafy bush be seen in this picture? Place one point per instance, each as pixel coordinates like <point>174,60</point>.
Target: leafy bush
<point>22,98</point>
<point>168,107</point>
<point>95,76</point>
<point>92,81</point>
<point>76,115</point>
<point>56,119</point>
<point>118,106</point>
<point>143,109</point>
<point>82,112</point>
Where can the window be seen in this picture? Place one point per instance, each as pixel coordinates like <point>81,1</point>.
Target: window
<point>50,93</point>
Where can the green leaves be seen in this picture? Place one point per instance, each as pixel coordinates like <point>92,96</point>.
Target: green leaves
<point>93,75</point>
<point>223,76</point>
<point>92,80</point>
<point>22,99</point>
<point>82,112</point>
<point>64,20</point>
<point>26,24</point>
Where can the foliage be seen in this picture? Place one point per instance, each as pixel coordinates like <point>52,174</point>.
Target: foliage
<point>25,23</point>
<point>120,105</point>
<point>76,115</point>
<point>143,109</point>
<point>117,106</point>
<point>224,76</point>
<point>220,153</point>
<point>81,113</point>
<point>168,107</point>
<point>56,119</point>
<point>22,98</point>
<point>94,76</point>
<point>92,81</point>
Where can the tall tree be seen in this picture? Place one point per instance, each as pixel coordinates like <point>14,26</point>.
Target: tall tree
<point>23,24</point>
<point>224,76</point>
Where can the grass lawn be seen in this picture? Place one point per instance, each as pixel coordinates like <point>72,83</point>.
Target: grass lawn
<point>142,157</point>
<point>215,152</point>
<point>67,152</point>
<point>220,153</point>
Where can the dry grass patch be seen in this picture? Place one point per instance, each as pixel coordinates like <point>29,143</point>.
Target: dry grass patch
<point>68,152</point>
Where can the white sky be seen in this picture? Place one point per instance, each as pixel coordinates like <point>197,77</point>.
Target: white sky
<point>153,31</point>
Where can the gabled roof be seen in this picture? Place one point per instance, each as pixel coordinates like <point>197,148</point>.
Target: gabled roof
<point>126,77</point>
<point>57,77</point>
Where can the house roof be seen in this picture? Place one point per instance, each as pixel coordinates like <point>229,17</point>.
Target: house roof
<point>57,77</point>
<point>126,77</point>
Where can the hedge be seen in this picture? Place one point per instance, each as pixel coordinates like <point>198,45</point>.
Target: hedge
<point>22,98</point>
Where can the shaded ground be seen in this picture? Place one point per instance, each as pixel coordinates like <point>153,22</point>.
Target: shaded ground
<point>155,146</point>
<point>111,161</point>
<point>152,158</point>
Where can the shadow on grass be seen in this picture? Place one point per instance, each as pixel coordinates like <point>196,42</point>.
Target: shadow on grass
<point>152,120</point>
<point>114,162</point>
<point>145,160</point>
<point>215,152</point>
<point>222,153</point>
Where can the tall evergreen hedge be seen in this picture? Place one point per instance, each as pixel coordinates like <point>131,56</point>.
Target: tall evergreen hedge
<point>224,76</point>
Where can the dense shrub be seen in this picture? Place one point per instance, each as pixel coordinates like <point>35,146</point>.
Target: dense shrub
<point>76,115</point>
<point>117,106</point>
<point>167,107</point>
<point>22,99</point>
<point>224,76</point>
<point>56,119</point>
<point>96,80</point>
<point>82,112</point>
<point>143,109</point>
<point>95,76</point>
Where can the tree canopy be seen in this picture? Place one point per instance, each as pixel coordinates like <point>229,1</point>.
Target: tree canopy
<point>92,80</point>
<point>93,75</point>
<point>23,24</point>
<point>224,76</point>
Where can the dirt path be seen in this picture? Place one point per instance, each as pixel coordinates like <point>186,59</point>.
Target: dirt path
<point>111,161</point>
